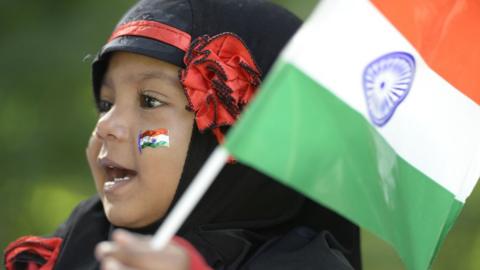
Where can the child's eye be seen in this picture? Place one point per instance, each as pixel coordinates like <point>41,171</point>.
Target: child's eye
<point>150,102</point>
<point>104,106</point>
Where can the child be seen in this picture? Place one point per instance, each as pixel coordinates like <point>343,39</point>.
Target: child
<point>174,75</point>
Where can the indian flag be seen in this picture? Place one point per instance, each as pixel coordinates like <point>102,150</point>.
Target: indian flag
<point>373,111</point>
<point>153,138</point>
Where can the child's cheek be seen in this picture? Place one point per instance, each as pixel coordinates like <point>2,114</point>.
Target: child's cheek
<point>92,152</point>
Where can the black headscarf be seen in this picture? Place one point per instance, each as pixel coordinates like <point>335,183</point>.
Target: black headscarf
<point>243,209</point>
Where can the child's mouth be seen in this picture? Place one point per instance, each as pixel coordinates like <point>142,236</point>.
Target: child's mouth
<point>117,175</point>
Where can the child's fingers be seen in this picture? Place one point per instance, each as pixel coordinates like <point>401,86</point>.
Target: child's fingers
<point>123,237</point>
<point>104,249</point>
<point>112,264</point>
<point>114,257</point>
<point>135,252</point>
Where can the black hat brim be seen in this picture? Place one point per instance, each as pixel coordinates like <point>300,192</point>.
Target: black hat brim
<point>133,44</point>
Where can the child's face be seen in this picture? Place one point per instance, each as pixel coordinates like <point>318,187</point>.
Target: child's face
<point>139,93</point>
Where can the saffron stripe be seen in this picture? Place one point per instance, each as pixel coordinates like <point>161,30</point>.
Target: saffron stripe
<point>154,132</point>
<point>445,33</point>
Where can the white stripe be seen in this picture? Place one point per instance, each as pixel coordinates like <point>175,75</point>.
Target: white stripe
<point>436,128</point>
<point>158,138</point>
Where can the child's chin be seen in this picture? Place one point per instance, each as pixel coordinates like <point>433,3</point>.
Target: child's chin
<point>119,216</point>
<point>124,217</point>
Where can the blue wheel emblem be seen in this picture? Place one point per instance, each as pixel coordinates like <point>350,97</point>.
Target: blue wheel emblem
<point>386,82</point>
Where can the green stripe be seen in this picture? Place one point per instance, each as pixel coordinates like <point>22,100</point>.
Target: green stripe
<point>154,145</point>
<point>300,133</point>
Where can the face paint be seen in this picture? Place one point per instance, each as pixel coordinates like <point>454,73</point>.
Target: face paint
<point>153,138</point>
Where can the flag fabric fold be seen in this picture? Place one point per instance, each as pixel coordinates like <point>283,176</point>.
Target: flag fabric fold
<point>360,115</point>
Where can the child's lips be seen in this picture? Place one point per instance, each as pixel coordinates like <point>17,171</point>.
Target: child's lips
<point>117,175</point>
<point>110,186</point>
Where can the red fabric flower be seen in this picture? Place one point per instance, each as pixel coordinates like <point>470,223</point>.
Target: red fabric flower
<point>43,252</point>
<point>220,78</point>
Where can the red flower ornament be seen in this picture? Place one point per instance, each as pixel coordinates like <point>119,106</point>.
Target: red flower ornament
<point>32,253</point>
<point>220,78</point>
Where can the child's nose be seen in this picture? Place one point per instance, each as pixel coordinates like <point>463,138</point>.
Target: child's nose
<point>113,126</point>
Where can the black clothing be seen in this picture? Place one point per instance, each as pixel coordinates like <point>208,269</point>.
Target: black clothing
<point>300,248</point>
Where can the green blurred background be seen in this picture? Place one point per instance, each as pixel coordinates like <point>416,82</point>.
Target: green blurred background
<point>47,114</point>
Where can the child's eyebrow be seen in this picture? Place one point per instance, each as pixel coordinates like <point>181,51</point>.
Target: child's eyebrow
<point>136,78</point>
<point>157,75</point>
<point>107,82</point>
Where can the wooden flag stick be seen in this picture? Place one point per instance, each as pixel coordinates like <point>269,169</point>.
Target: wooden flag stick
<point>190,198</point>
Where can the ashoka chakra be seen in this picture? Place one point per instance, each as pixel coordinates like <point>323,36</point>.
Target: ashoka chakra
<point>387,81</point>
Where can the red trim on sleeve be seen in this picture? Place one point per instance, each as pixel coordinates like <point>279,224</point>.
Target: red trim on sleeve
<point>197,262</point>
<point>47,248</point>
<point>154,30</point>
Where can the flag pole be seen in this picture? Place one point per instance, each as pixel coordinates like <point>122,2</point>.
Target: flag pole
<point>190,198</point>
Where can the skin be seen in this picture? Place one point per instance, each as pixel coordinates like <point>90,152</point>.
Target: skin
<point>139,93</point>
<point>129,251</point>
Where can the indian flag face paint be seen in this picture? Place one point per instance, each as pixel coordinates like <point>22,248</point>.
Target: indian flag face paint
<point>153,138</point>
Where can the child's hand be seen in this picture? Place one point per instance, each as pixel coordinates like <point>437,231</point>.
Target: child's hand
<point>129,251</point>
